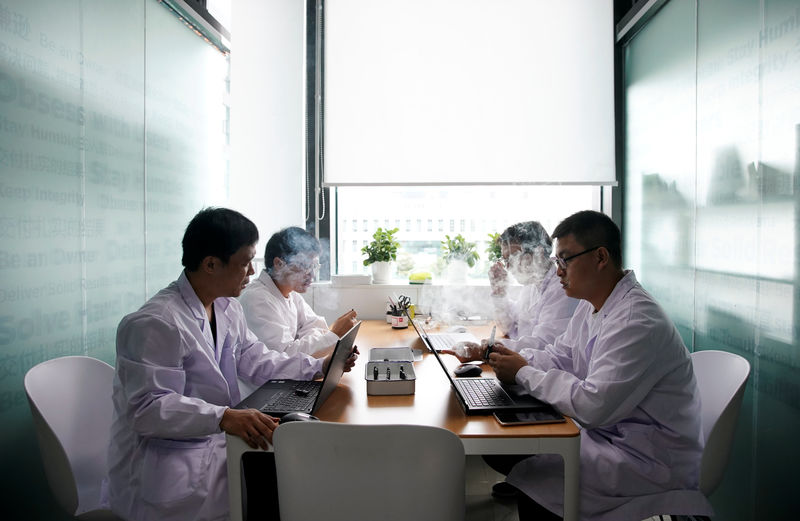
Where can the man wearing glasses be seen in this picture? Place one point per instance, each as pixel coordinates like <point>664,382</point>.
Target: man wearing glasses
<point>275,310</point>
<point>623,373</point>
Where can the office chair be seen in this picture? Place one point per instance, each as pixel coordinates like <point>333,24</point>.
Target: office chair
<point>341,472</point>
<point>721,379</point>
<point>70,400</point>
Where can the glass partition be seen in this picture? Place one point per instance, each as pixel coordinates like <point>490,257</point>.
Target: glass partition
<point>111,136</point>
<point>711,207</point>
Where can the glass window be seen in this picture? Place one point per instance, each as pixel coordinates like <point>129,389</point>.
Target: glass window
<point>475,210</point>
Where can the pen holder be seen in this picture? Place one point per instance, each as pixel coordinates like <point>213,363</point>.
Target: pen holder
<point>390,377</point>
<point>399,321</point>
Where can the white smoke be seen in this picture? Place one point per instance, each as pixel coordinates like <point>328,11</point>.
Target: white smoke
<point>529,268</point>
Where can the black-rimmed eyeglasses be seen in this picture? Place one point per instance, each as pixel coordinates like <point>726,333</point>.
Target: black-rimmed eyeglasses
<point>562,262</point>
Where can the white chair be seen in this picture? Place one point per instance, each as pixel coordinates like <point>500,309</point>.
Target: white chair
<point>721,379</point>
<point>70,400</point>
<point>337,471</point>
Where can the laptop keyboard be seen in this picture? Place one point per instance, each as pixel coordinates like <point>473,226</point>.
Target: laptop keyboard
<point>441,341</point>
<point>290,400</point>
<point>482,392</point>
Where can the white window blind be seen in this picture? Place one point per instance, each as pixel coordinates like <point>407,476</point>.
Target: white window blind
<point>469,92</point>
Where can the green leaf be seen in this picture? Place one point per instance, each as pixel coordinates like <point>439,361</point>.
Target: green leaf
<point>383,247</point>
<point>458,248</point>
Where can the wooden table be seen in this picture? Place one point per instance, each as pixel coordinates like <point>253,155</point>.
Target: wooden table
<point>433,403</point>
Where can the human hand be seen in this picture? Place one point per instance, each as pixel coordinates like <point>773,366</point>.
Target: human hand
<point>253,426</point>
<point>344,323</point>
<point>466,351</point>
<point>351,360</point>
<point>506,363</point>
<point>348,364</point>
<point>498,279</point>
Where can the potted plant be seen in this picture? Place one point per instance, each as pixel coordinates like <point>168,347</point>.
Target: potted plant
<point>380,253</point>
<point>458,254</point>
<point>493,251</point>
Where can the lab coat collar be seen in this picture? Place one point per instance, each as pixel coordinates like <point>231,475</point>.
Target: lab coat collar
<point>221,309</point>
<point>625,284</point>
<point>191,298</point>
<point>221,304</point>
<point>267,281</point>
<point>549,278</point>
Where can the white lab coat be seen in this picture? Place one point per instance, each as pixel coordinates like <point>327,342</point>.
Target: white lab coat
<point>285,324</point>
<point>172,385</point>
<point>625,375</point>
<point>539,315</point>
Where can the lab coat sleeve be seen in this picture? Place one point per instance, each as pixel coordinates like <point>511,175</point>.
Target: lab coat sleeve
<point>557,355</point>
<point>553,318</point>
<point>150,358</point>
<point>256,363</point>
<point>619,374</point>
<point>312,330</point>
<point>504,315</point>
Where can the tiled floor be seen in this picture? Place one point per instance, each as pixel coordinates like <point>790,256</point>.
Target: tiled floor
<point>481,506</point>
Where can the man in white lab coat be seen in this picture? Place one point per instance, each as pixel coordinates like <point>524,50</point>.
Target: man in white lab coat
<point>542,310</point>
<point>623,373</point>
<point>178,358</point>
<point>273,306</point>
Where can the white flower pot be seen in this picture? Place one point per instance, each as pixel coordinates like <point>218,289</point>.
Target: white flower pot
<point>381,272</point>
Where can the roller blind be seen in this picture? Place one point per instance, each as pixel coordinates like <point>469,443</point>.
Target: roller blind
<point>468,92</point>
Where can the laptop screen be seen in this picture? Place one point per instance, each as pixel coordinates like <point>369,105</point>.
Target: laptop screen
<point>424,336</point>
<point>336,368</point>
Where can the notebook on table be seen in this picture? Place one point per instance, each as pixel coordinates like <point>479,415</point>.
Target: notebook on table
<point>483,395</point>
<point>282,396</point>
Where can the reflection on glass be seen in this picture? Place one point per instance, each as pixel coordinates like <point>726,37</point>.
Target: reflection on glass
<point>74,106</point>
<point>712,212</point>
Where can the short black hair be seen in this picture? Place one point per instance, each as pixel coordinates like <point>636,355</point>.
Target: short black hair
<point>289,242</point>
<point>592,229</point>
<point>218,232</point>
<point>528,235</point>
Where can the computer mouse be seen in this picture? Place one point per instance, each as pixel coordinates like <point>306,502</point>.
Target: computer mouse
<point>457,329</point>
<point>467,370</point>
<point>298,417</point>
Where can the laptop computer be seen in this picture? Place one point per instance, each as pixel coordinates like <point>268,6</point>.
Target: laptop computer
<point>483,395</point>
<point>282,396</point>
<point>440,341</point>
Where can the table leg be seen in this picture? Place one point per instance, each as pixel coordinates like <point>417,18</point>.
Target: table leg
<point>570,451</point>
<point>235,448</point>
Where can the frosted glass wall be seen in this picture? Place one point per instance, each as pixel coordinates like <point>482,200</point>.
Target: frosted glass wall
<point>711,213</point>
<point>111,138</point>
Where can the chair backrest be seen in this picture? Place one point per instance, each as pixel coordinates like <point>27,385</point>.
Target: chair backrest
<point>721,379</point>
<point>70,399</point>
<point>337,471</point>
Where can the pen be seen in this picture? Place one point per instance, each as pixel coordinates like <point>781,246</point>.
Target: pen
<point>490,344</point>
